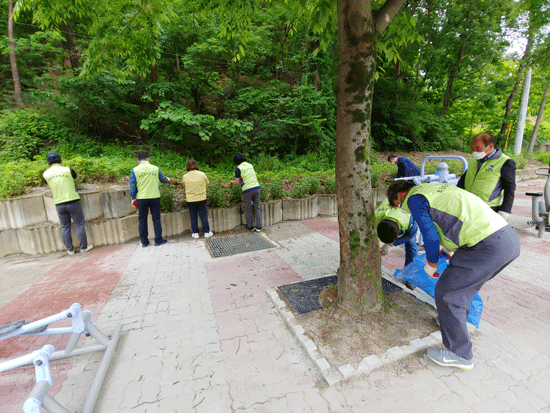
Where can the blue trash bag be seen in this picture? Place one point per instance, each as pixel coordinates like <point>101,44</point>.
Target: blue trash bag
<point>415,274</point>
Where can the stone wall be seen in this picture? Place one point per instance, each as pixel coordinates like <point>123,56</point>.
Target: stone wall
<point>30,225</point>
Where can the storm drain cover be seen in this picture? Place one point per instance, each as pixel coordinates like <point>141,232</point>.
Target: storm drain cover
<point>304,296</point>
<point>237,244</point>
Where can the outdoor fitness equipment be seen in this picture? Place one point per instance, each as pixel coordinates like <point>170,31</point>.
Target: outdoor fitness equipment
<point>81,322</point>
<point>441,175</point>
<point>540,210</point>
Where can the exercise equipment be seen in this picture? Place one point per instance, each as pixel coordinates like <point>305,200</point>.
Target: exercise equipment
<point>441,175</point>
<point>540,210</point>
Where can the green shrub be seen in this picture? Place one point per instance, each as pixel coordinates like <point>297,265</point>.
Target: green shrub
<point>93,169</point>
<point>329,185</point>
<point>16,177</point>
<point>303,187</point>
<point>217,195</point>
<point>275,189</point>
<point>167,198</point>
<point>235,194</point>
<point>544,157</point>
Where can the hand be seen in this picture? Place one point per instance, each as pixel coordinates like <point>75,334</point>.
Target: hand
<point>134,203</point>
<point>385,249</point>
<point>504,215</point>
<point>431,270</point>
<point>169,181</point>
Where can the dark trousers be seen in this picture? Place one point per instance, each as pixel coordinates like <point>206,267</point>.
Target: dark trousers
<point>200,209</point>
<point>252,198</point>
<point>468,270</point>
<point>144,206</point>
<point>66,212</point>
<point>411,250</point>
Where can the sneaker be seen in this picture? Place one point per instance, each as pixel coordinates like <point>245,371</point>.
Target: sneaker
<point>70,252</point>
<point>208,234</point>
<point>257,229</point>
<point>251,229</point>
<point>88,248</point>
<point>445,357</point>
<point>195,234</point>
<point>158,244</point>
<point>144,245</point>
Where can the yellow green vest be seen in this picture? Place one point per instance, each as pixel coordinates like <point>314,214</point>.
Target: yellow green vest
<point>385,211</point>
<point>460,218</point>
<point>485,182</point>
<point>61,183</point>
<point>248,175</point>
<point>147,180</point>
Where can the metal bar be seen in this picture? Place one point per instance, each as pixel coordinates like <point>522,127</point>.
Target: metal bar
<point>34,401</point>
<point>73,341</point>
<point>89,348</point>
<point>102,371</point>
<point>98,335</point>
<point>53,406</point>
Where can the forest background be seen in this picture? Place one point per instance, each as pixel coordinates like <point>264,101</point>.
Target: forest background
<point>446,71</point>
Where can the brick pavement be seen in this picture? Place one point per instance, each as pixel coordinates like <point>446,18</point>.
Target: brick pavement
<point>200,334</point>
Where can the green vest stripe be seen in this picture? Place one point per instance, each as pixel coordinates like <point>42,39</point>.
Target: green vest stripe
<point>385,211</point>
<point>485,182</point>
<point>147,180</point>
<point>248,175</point>
<point>460,218</point>
<point>61,183</point>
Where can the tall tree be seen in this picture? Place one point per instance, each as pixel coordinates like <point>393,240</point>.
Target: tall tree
<point>18,94</point>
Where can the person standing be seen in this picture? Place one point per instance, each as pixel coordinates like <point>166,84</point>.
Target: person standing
<point>246,177</point>
<point>144,191</point>
<point>60,179</point>
<point>491,175</point>
<point>405,167</point>
<point>483,244</point>
<point>195,183</point>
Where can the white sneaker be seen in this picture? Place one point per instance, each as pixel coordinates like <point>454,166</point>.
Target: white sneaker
<point>208,234</point>
<point>87,249</point>
<point>195,235</point>
<point>70,252</point>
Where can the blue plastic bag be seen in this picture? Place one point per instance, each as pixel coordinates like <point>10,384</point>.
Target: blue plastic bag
<point>415,274</point>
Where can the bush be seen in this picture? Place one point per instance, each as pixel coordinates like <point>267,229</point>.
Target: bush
<point>329,185</point>
<point>217,195</point>
<point>18,176</point>
<point>308,185</point>
<point>167,198</point>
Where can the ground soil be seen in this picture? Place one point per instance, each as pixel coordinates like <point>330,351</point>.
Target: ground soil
<point>342,338</point>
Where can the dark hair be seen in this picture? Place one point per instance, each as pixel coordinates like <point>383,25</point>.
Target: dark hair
<point>390,157</point>
<point>388,231</point>
<point>192,165</point>
<point>239,159</point>
<point>53,157</point>
<point>404,185</point>
<point>486,138</point>
<point>142,155</point>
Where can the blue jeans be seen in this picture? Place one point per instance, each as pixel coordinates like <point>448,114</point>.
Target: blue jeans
<point>144,206</point>
<point>66,212</point>
<point>200,208</point>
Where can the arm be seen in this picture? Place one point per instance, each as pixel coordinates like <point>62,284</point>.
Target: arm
<point>460,183</point>
<point>420,210</point>
<point>400,168</point>
<point>409,233</point>
<point>238,179</point>
<point>163,179</point>
<point>73,173</point>
<point>133,185</point>
<point>508,183</point>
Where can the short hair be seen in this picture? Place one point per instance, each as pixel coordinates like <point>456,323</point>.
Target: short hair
<point>390,157</point>
<point>192,165</point>
<point>53,157</point>
<point>142,155</point>
<point>486,138</point>
<point>404,185</point>
<point>239,158</point>
<point>388,231</point>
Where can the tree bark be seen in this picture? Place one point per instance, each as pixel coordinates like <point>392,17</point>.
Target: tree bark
<point>454,71</point>
<point>539,120</point>
<point>18,94</point>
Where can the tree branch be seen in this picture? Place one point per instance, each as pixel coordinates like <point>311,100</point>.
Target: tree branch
<point>384,15</point>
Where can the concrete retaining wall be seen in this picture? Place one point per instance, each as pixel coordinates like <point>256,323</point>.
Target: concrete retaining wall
<point>30,225</point>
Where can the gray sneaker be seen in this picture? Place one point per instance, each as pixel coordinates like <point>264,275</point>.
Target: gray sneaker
<point>88,248</point>
<point>445,357</point>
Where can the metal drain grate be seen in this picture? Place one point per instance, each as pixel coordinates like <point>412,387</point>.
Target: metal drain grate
<point>237,244</point>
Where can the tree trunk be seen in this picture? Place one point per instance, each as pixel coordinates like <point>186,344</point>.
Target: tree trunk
<point>454,71</point>
<point>522,65</point>
<point>18,94</point>
<point>539,120</point>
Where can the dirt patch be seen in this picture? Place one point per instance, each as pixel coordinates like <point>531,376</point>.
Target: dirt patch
<point>342,338</point>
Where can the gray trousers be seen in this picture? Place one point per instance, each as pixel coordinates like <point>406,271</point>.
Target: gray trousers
<point>249,198</point>
<point>468,270</point>
<point>73,211</point>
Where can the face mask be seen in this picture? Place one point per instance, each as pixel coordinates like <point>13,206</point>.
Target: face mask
<point>479,155</point>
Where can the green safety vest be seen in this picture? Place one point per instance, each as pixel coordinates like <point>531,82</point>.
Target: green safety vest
<point>61,183</point>
<point>460,218</point>
<point>385,211</point>
<point>485,182</point>
<point>248,175</point>
<point>147,180</point>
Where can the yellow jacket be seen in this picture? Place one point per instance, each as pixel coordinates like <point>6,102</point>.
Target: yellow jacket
<point>195,186</point>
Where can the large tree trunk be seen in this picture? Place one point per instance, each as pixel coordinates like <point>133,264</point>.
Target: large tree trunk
<point>18,94</point>
<point>454,71</point>
<point>359,274</point>
<point>539,120</point>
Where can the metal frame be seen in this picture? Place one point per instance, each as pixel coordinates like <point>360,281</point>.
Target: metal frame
<point>81,322</point>
<point>540,210</point>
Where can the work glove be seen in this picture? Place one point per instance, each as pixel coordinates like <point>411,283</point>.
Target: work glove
<point>134,203</point>
<point>385,249</point>
<point>504,215</point>
<point>445,253</point>
<point>431,271</point>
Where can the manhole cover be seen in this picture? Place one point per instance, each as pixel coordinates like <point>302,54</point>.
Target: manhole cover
<point>237,244</point>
